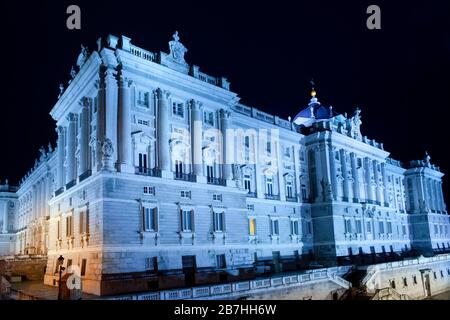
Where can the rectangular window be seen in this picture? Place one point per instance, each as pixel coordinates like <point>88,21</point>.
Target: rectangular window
<point>142,99</point>
<point>348,226</point>
<point>269,185</point>
<point>59,229</point>
<point>217,197</point>
<point>381,226</point>
<point>84,222</point>
<point>185,194</point>
<point>177,109</point>
<point>358,226</point>
<point>208,118</point>
<point>252,226</point>
<point>251,207</point>
<point>149,190</point>
<point>308,227</point>
<point>414,280</point>
<point>149,219</point>
<point>436,229</point>
<point>294,227</point>
<point>218,221</point>
<point>69,226</point>
<point>275,227</point>
<point>268,147</point>
<point>304,194</point>
<point>287,152</point>
<point>389,227</point>
<point>187,220</point>
<point>289,193</point>
<point>151,264</point>
<point>404,230</point>
<point>83,267</point>
<point>247,182</point>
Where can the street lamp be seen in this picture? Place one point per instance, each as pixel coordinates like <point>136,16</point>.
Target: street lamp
<point>61,269</point>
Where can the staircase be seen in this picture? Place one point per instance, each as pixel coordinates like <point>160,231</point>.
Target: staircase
<point>389,294</point>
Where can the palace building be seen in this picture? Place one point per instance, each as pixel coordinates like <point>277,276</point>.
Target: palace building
<point>161,178</point>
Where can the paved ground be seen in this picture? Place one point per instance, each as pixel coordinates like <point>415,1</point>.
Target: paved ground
<point>42,291</point>
<point>442,296</point>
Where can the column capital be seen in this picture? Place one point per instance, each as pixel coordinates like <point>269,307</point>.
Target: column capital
<point>59,130</point>
<point>195,105</point>
<point>162,94</point>
<point>72,117</point>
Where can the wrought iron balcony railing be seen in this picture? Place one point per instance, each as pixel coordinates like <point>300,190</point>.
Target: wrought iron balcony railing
<point>151,172</point>
<point>185,177</point>
<point>271,196</point>
<point>252,194</point>
<point>291,199</point>
<point>216,181</point>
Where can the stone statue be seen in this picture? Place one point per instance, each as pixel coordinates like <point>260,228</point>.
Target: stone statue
<point>82,57</point>
<point>427,158</point>
<point>50,149</point>
<point>73,72</point>
<point>356,124</point>
<point>177,49</point>
<point>61,90</point>
<point>42,151</point>
<point>107,149</point>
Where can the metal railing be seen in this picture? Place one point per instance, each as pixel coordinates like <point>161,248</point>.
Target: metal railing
<point>216,181</point>
<point>271,196</point>
<point>291,199</point>
<point>252,194</point>
<point>185,176</point>
<point>389,293</point>
<point>151,172</point>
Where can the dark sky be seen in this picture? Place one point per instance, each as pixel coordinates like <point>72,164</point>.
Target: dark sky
<point>399,76</point>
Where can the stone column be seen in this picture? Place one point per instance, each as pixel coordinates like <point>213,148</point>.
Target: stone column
<point>107,120</point>
<point>5,217</point>
<point>60,174</point>
<point>124,127</point>
<point>377,182</point>
<point>368,179</point>
<point>385,183</point>
<point>163,130</point>
<point>34,197</point>
<point>71,147</point>
<point>441,197</point>
<point>196,137</point>
<point>356,190</point>
<point>226,155</point>
<point>343,156</point>
<point>84,137</point>
<point>333,174</point>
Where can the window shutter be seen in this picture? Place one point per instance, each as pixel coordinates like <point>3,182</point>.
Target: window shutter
<point>192,221</point>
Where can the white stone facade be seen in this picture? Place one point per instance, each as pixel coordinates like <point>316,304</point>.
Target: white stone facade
<point>160,172</point>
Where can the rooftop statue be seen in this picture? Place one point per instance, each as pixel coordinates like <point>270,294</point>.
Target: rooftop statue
<point>177,49</point>
<point>82,57</point>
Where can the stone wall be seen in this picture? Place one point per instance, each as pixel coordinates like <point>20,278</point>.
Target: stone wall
<point>29,268</point>
<point>418,278</point>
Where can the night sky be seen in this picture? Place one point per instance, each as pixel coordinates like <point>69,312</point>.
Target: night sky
<point>399,76</point>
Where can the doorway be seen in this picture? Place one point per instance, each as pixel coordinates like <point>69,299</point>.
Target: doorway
<point>427,284</point>
<point>189,267</point>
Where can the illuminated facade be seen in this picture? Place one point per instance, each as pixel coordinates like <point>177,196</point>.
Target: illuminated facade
<point>161,178</point>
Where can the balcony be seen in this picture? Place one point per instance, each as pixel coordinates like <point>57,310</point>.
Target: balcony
<point>291,199</point>
<point>84,175</point>
<point>252,194</point>
<point>150,172</point>
<point>216,181</point>
<point>185,177</point>
<point>59,191</point>
<point>71,184</point>
<point>271,196</point>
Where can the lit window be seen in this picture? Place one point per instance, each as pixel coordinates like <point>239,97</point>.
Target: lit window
<point>252,226</point>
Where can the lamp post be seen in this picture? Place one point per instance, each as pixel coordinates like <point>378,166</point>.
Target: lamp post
<point>61,269</point>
